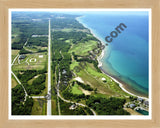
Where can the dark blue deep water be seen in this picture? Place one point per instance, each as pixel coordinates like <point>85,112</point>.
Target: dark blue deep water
<point>127,56</point>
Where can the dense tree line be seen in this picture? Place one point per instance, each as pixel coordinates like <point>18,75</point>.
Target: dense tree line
<point>84,86</point>
<point>70,96</point>
<point>38,41</point>
<point>24,76</point>
<point>19,106</point>
<point>77,111</point>
<point>66,22</point>
<point>110,106</point>
<point>37,86</point>
<point>24,51</point>
<point>27,29</point>
<point>18,44</point>
<point>62,58</point>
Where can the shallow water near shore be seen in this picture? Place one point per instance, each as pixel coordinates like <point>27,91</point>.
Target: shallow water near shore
<point>127,56</point>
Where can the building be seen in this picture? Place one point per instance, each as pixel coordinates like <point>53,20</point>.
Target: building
<point>22,57</point>
<point>132,105</point>
<point>146,103</point>
<point>73,106</point>
<point>140,99</point>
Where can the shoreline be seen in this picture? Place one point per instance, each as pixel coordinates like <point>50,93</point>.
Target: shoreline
<point>100,64</point>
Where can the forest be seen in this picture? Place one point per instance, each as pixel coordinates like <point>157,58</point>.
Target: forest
<point>110,106</point>
<point>19,107</point>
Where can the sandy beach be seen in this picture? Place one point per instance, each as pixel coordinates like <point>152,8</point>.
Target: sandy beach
<point>100,64</point>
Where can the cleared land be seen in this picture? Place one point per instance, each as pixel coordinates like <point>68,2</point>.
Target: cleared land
<point>27,63</point>
<point>76,89</point>
<point>82,49</point>
<point>39,107</point>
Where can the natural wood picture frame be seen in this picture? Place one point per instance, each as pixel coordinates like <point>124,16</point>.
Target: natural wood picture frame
<point>4,9</point>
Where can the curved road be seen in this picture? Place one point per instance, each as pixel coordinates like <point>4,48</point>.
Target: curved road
<point>68,101</point>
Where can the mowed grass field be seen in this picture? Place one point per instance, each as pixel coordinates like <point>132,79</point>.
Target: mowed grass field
<point>76,89</point>
<point>39,107</point>
<point>14,54</point>
<point>95,79</point>
<point>35,61</point>
<point>13,82</point>
<point>82,49</point>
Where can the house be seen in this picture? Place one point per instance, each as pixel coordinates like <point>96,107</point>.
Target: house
<point>22,57</point>
<point>140,99</point>
<point>146,103</point>
<point>132,105</point>
<point>73,106</point>
<point>64,71</point>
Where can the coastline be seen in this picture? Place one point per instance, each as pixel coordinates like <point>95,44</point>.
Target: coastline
<point>100,64</point>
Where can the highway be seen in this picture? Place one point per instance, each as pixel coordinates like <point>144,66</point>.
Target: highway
<point>49,111</point>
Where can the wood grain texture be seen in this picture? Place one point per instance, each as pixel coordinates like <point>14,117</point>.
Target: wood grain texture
<point>6,4</point>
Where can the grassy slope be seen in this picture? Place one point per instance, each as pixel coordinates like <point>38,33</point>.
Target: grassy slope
<point>13,82</point>
<point>14,54</point>
<point>76,90</point>
<point>90,76</point>
<point>83,48</point>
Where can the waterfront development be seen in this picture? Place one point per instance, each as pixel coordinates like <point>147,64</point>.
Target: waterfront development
<point>61,66</point>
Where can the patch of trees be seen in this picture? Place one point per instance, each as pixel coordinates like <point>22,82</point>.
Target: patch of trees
<point>88,38</point>
<point>63,58</point>
<point>66,111</point>
<point>86,59</point>
<point>75,36</point>
<point>19,43</point>
<point>89,112</point>
<point>19,107</point>
<point>84,86</point>
<point>70,96</point>
<point>24,51</point>
<point>38,41</point>
<point>110,106</point>
<point>24,76</point>
<point>37,86</point>
<point>28,28</point>
<point>67,22</point>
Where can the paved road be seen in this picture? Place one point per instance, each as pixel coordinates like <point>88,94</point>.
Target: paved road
<point>21,85</point>
<point>59,109</point>
<point>14,59</point>
<point>37,97</point>
<point>49,70</point>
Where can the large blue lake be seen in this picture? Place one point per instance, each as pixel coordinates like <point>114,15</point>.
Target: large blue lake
<point>127,56</point>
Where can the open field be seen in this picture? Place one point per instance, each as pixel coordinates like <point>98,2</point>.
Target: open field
<point>31,62</point>
<point>82,49</point>
<point>108,87</point>
<point>15,38</point>
<point>39,107</point>
<point>34,48</point>
<point>76,89</point>
<point>14,54</point>
<point>54,107</point>
<point>13,82</point>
